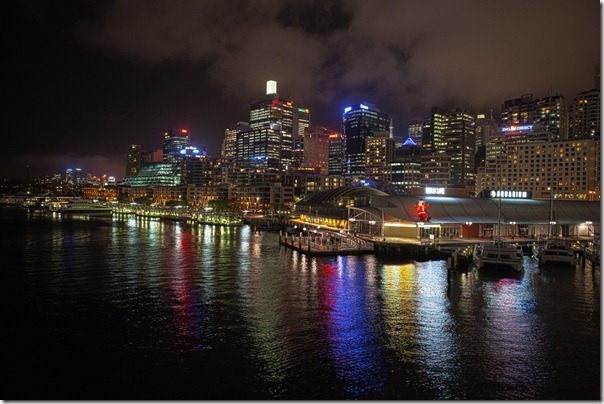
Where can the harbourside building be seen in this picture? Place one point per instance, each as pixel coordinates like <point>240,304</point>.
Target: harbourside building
<point>365,210</point>
<point>523,158</point>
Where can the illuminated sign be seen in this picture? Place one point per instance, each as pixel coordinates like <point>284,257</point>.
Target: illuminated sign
<point>189,149</point>
<point>435,191</point>
<point>347,109</point>
<point>363,106</point>
<point>184,130</point>
<point>496,193</point>
<point>516,128</point>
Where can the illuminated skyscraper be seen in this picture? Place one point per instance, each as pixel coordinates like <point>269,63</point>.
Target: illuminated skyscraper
<point>315,142</point>
<point>460,139</point>
<point>379,152</point>
<point>272,110</point>
<point>406,168</point>
<point>301,121</point>
<point>448,148</point>
<point>584,116</point>
<point>486,129</point>
<point>415,131</point>
<point>268,144</point>
<point>262,148</point>
<point>137,157</point>
<point>229,144</point>
<point>360,121</point>
<point>175,140</point>
<point>337,163</point>
<point>519,111</point>
<point>550,113</point>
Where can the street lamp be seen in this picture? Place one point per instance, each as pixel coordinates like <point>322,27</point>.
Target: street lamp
<point>351,224</point>
<point>371,223</point>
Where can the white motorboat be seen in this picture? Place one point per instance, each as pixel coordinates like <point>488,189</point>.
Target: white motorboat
<point>556,252</point>
<point>82,206</point>
<point>498,255</point>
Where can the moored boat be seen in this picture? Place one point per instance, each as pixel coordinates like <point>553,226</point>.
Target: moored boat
<point>498,254</point>
<point>556,252</point>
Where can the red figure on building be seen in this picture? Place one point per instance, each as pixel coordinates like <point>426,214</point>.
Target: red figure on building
<point>422,215</point>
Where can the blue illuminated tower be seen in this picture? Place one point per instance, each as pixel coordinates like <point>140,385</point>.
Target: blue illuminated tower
<point>358,122</point>
<point>175,140</point>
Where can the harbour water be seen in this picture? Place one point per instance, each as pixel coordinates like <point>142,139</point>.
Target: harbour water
<point>135,308</point>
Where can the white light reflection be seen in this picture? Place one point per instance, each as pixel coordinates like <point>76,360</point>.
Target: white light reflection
<point>435,334</point>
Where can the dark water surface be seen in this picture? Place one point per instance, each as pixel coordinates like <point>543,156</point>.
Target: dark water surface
<point>130,308</point>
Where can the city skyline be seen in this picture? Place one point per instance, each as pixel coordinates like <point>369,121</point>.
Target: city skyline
<point>90,79</point>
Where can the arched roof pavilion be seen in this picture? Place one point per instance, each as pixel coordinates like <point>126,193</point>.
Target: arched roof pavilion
<point>334,202</point>
<point>448,210</point>
<point>486,210</point>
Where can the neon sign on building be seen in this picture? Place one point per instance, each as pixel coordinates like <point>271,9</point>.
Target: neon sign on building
<point>496,193</point>
<point>516,128</point>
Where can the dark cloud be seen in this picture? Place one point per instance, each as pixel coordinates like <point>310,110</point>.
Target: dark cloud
<point>200,63</point>
<point>410,54</point>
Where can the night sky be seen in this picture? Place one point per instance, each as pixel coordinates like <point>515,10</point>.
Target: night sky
<point>86,79</point>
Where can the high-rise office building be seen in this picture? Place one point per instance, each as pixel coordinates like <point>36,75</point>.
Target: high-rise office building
<point>550,113</point>
<point>379,152</point>
<point>301,121</point>
<point>269,142</point>
<point>315,147</point>
<point>460,139</point>
<point>406,168</point>
<point>264,148</point>
<point>136,158</point>
<point>415,131</point>
<point>336,164</point>
<point>174,141</point>
<point>433,132</point>
<point>228,151</point>
<point>584,116</point>
<point>272,110</point>
<point>486,129</point>
<point>435,170</point>
<point>360,121</point>
<point>519,111</point>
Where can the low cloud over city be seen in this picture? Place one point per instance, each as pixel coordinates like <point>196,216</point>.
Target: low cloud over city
<point>105,75</point>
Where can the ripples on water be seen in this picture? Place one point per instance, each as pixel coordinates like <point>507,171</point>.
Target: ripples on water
<point>148,309</point>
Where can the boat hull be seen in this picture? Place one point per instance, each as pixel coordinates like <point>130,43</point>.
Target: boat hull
<point>498,256</point>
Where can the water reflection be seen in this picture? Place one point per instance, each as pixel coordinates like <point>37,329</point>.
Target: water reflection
<point>198,311</point>
<point>349,311</point>
<point>438,345</point>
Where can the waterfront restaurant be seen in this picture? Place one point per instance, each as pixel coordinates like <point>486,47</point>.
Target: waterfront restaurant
<point>365,210</point>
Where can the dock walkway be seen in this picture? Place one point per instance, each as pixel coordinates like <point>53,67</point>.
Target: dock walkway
<point>326,245</point>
